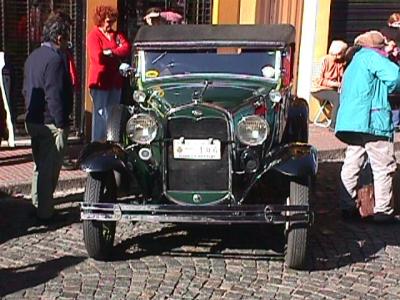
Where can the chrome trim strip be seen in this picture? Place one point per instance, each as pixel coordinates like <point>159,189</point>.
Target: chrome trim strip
<point>211,76</point>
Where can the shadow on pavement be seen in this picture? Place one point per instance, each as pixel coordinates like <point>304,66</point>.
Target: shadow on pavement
<point>17,217</point>
<point>21,278</point>
<point>234,241</point>
<point>335,242</point>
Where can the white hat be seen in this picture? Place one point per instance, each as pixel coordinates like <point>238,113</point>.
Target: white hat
<point>336,47</point>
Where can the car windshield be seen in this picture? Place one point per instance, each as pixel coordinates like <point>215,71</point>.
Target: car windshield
<point>225,60</point>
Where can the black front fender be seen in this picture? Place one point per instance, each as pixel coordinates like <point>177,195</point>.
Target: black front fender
<point>102,157</point>
<point>296,159</point>
<point>296,129</point>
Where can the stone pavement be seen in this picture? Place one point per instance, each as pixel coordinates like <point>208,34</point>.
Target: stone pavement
<point>347,260</point>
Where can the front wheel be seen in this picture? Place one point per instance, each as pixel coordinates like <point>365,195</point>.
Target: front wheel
<point>99,235</point>
<point>296,248</point>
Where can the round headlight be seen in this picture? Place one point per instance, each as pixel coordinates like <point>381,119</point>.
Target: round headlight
<point>252,130</point>
<point>142,128</point>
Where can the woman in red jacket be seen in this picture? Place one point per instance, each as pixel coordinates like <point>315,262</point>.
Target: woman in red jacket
<point>106,47</point>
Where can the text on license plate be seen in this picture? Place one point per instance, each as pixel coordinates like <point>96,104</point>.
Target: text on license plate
<point>197,149</point>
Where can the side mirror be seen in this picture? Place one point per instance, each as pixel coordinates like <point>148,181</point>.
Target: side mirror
<point>126,70</point>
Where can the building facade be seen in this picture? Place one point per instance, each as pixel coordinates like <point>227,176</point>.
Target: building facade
<point>21,23</point>
<point>317,23</point>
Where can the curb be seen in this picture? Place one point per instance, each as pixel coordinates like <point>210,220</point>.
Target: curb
<point>331,155</point>
<point>64,186</point>
<point>339,153</point>
<point>76,183</point>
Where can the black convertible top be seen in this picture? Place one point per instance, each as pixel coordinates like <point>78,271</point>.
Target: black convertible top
<point>209,36</point>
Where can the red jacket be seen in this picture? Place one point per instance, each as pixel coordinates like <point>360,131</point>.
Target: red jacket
<point>73,72</point>
<point>103,70</point>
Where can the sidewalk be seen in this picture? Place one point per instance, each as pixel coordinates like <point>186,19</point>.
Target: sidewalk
<point>16,163</point>
<point>16,171</point>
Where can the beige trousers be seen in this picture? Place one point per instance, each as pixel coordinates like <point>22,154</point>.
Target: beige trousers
<point>48,147</point>
<point>383,165</point>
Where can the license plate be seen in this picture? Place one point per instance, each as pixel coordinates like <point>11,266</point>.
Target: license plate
<point>197,149</point>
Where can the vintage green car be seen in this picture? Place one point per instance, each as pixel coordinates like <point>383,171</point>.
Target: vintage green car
<point>213,117</point>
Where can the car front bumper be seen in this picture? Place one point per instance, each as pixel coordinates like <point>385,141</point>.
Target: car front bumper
<point>216,214</point>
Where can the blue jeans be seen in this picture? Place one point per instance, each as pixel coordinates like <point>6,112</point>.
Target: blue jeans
<point>103,100</point>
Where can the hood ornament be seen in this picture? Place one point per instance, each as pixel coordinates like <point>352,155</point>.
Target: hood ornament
<point>197,113</point>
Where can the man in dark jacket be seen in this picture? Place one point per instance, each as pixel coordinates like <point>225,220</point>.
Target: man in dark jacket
<point>48,96</point>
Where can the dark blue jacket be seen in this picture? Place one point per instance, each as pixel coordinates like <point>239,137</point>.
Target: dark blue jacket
<point>47,87</point>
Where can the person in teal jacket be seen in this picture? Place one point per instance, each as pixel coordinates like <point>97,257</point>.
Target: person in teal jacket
<point>364,122</point>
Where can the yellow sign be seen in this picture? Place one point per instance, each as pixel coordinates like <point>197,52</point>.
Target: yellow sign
<point>152,73</point>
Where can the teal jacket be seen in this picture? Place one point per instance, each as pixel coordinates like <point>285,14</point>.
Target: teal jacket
<point>364,106</point>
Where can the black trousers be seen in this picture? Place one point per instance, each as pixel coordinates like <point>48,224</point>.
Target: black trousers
<point>333,97</point>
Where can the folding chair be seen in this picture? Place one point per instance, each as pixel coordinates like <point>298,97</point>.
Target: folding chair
<point>324,106</point>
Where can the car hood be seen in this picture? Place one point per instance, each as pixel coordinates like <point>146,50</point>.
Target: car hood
<point>227,92</point>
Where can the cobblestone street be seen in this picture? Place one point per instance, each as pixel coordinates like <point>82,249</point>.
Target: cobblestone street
<point>348,260</point>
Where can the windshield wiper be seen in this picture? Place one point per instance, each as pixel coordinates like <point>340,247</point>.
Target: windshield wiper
<point>159,57</point>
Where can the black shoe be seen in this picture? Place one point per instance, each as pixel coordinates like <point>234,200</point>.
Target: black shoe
<point>350,214</point>
<point>382,218</point>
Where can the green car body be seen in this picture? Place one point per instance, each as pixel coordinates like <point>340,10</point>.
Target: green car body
<point>213,114</point>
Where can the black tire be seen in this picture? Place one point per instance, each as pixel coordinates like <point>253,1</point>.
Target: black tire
<point>99,235</point>
<point>116,123</point>
<point>296,247</point>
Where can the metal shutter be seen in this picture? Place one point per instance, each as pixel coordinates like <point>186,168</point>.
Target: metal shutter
<point>15,44</point>
<point>20,35</point>
<point>349,18</point>
<point>198,12</point>
<point>193,12</point>
<point>75,9</point>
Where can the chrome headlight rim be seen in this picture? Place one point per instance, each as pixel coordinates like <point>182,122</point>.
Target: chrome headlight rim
<point>130,128</point>
<point>263,137</point>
